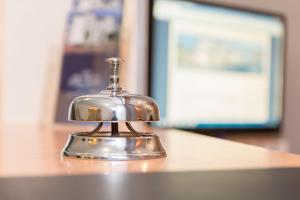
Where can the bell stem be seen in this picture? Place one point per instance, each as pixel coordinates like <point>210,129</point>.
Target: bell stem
<point>114,129</point>
<point>114,64</point>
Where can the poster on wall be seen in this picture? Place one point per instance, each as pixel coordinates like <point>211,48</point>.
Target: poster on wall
<point>92,35</point>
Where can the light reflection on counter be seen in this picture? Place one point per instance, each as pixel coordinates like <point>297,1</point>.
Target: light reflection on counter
<point>73,166</point>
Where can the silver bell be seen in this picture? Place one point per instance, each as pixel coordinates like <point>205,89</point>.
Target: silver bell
<point>114,105</point>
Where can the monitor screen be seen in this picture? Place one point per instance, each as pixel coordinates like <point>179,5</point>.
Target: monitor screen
<point>216,67</point>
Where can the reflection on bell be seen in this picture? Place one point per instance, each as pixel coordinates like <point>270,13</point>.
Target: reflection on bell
<point>114,105</point>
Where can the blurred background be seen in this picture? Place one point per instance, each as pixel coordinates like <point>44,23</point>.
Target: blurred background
<point>219,67</point>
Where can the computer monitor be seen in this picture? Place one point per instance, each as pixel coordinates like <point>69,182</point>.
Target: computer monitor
<point>216,67</point>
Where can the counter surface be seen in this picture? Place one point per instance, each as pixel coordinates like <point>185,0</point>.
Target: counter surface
<point>31,150</point>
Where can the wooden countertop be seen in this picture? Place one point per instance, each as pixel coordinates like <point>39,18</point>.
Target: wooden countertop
<point>30,150</point>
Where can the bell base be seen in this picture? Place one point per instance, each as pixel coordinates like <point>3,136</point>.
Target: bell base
<point>125,146</point>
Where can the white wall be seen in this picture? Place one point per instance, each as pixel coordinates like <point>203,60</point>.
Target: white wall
<point>33,34</point>
<point>133,46</point>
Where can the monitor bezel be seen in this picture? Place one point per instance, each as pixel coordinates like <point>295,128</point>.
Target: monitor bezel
<point>281,16</point>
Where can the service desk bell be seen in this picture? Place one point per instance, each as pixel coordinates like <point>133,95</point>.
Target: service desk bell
<point>114,105</point>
